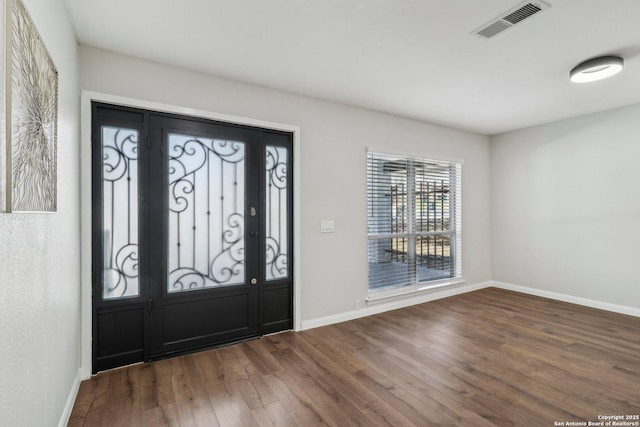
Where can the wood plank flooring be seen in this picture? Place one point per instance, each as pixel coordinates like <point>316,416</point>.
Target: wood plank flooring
<point>485,358</point>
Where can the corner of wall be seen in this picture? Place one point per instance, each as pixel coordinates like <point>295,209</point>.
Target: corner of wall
<point>615,308</point>
<point>71,399</point>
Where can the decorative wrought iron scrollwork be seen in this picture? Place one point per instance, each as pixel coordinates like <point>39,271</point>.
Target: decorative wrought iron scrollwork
<point>117,278</point>
<point>276,212</point>
<point>204,193</point>
<point>277,167</point>
<point>118,154</point>
<point>276,260</point>
<point>119,174</point>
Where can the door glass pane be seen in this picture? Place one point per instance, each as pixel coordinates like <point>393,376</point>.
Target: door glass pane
<point>276,213</point>
<point>120,213</point>
<point>206,213</point>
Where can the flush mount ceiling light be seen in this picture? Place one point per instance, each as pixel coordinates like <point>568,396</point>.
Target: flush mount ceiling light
<point>596,69</point>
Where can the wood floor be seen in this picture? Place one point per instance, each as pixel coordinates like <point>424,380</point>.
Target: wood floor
<point>485,358</point>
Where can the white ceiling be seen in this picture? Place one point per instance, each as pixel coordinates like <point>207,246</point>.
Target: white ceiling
<point>414,58</point>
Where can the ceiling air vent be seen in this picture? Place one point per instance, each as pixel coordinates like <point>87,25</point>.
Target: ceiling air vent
<point>510,18</point>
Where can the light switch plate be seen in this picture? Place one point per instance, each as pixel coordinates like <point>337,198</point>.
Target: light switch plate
<point>327,226</point>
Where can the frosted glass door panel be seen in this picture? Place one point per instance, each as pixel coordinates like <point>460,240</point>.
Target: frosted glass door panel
<point>206,246</point>
<point>120,277</point>
<point>277,213</point>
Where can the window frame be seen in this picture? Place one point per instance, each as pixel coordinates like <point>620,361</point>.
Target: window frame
<point>411,234</point>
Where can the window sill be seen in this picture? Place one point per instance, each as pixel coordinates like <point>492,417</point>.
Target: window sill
<point>420,288</point>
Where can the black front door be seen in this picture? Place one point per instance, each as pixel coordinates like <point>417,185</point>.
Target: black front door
<point>192,234</point>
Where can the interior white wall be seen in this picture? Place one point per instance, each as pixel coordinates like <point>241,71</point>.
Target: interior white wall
<point>39,263</point>
<point>332,162</point>
<point>565,207</point>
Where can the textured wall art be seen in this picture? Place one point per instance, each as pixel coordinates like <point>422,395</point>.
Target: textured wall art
<point>32,116</point>
<point>3,114</point>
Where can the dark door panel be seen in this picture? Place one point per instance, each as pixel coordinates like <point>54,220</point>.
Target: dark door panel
<point>121,332</point>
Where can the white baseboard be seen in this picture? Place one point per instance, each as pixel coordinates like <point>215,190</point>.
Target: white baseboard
<point>73,393</point>
<point>622,309</point>
<point>393,304</point>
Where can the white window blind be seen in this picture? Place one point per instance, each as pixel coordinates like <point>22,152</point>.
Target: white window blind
<point>414,221</point>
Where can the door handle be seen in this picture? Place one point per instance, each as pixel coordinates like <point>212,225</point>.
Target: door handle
<point>254,281</point>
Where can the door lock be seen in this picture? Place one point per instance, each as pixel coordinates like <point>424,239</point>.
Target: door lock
<point>254,281</point>
<point>252,211</point>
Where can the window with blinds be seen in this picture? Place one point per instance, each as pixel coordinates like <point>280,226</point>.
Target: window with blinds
<point>414,222</point>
